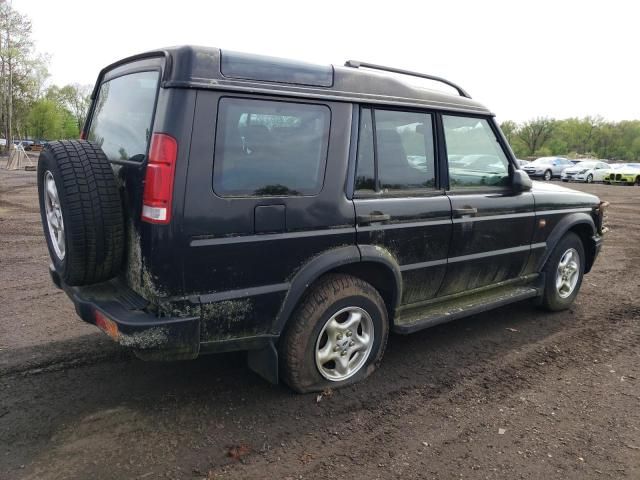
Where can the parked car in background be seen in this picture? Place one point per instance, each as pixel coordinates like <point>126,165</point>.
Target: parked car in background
<point>547,167</point>
<point>623,173</point>
<point>588,171</point>
<point>522,163</point>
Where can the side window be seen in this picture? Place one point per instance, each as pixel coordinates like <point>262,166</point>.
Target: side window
<point>266,148</point>
<point>395,151</point>
<point>475,157</point>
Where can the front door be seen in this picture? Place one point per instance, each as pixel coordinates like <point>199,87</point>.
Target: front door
<point>492,225</point>
<point>399,205</point>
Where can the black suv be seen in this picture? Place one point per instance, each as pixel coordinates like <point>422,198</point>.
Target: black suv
<point>224,201</point>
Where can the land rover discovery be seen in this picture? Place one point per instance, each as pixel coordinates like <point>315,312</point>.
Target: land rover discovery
<point>224,201</point>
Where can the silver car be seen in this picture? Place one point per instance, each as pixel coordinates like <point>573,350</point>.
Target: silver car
<point>547,167</point>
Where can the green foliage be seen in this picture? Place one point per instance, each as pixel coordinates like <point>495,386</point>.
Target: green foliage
<point>574,137</point>
<point>44,119</point>
<point>48,120</point>
<point>27,108</point>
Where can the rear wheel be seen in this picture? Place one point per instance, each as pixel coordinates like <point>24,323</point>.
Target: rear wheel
<point>637,181</point>
<point>336,337</point>
<point>563,273</point>
<point>547,175</point>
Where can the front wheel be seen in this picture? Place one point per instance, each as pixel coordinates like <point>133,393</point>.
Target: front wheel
<point>336,337</point>
<point>547,175</point>
<point>589,178</point>
<point>563,273</point>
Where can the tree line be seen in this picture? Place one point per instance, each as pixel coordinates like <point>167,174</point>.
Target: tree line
<point>575,137</point>
<point>29,107</point>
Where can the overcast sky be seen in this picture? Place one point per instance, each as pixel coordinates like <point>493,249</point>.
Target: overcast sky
<point>522,59</point>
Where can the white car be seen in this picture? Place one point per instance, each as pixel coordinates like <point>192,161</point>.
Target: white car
<point>588,171</point>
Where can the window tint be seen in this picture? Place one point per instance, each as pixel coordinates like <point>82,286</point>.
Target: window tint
<point>476,159</point>
<point>403,152</point>
<point>121,122</point>
<point>268,148</point>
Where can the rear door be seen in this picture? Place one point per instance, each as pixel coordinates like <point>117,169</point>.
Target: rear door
<point>399,204</point>
<point>492,226</point>
<point>265,194</point>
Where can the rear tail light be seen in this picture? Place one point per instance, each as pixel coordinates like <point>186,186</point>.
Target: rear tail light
<point>83,135</point>
<point>158,183</point>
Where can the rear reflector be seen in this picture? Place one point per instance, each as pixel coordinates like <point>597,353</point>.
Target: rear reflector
<point>106,324</point>
<point>158,183</point>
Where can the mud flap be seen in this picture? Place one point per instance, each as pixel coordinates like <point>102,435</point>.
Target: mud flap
<point>539,284</point>
<point>264,362</point>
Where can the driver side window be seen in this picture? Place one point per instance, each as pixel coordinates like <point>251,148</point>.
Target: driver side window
<point>475,157</point>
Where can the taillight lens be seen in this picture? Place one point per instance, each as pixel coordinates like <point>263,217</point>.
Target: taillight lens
<point>83,135</point>
<point>158,183</point>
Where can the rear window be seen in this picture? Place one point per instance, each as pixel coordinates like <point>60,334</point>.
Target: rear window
<point>266,148</point>
<point>121,122</point>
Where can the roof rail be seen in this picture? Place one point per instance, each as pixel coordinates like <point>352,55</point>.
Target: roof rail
<point>358,64</point>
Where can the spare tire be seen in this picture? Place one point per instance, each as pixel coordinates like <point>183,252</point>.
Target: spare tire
<point>81,211</point>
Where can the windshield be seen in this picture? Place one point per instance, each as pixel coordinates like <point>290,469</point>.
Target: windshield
<point>542,161</point>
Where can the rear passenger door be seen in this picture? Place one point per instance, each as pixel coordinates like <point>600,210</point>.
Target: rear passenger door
<point>399,204</point>
<point>492,225</point>
<point>265,195</point>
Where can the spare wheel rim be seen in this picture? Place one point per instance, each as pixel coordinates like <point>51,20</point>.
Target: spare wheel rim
<point>54,215</point>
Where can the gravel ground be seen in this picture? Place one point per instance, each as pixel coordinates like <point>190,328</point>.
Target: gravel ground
<point>514,393</point>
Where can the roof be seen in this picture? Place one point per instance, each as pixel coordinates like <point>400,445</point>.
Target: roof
<point>208,67</point>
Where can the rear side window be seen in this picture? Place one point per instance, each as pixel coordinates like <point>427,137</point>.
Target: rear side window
<point>395,151</point>
<point>475,157</point>
<point>266,148</point>
<point>122,116</point>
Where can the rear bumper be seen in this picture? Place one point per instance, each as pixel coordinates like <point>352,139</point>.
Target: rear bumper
<point>119,312</point>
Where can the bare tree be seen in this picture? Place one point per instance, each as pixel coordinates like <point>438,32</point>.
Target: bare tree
<point>15,62</point>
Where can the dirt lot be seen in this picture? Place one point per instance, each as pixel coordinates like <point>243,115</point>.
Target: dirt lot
<point>515,393</point>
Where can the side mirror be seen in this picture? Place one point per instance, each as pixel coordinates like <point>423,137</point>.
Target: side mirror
<point>520,181</point>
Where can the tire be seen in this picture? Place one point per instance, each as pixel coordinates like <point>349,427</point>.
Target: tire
<point>554,298</point>
<point>637,181</point>
<point>589,178</point>
<point>308,333</point>
<point>565,181</point>
<point>547,175</point>
<point>88,208</point>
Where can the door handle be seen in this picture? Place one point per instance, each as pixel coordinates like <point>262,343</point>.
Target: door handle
<point>373,217</point>
<point>463,212</point>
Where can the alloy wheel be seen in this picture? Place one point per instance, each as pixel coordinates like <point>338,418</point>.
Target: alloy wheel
<point>344,344</point>
<point>53,212</point>
<point>568,273</point>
